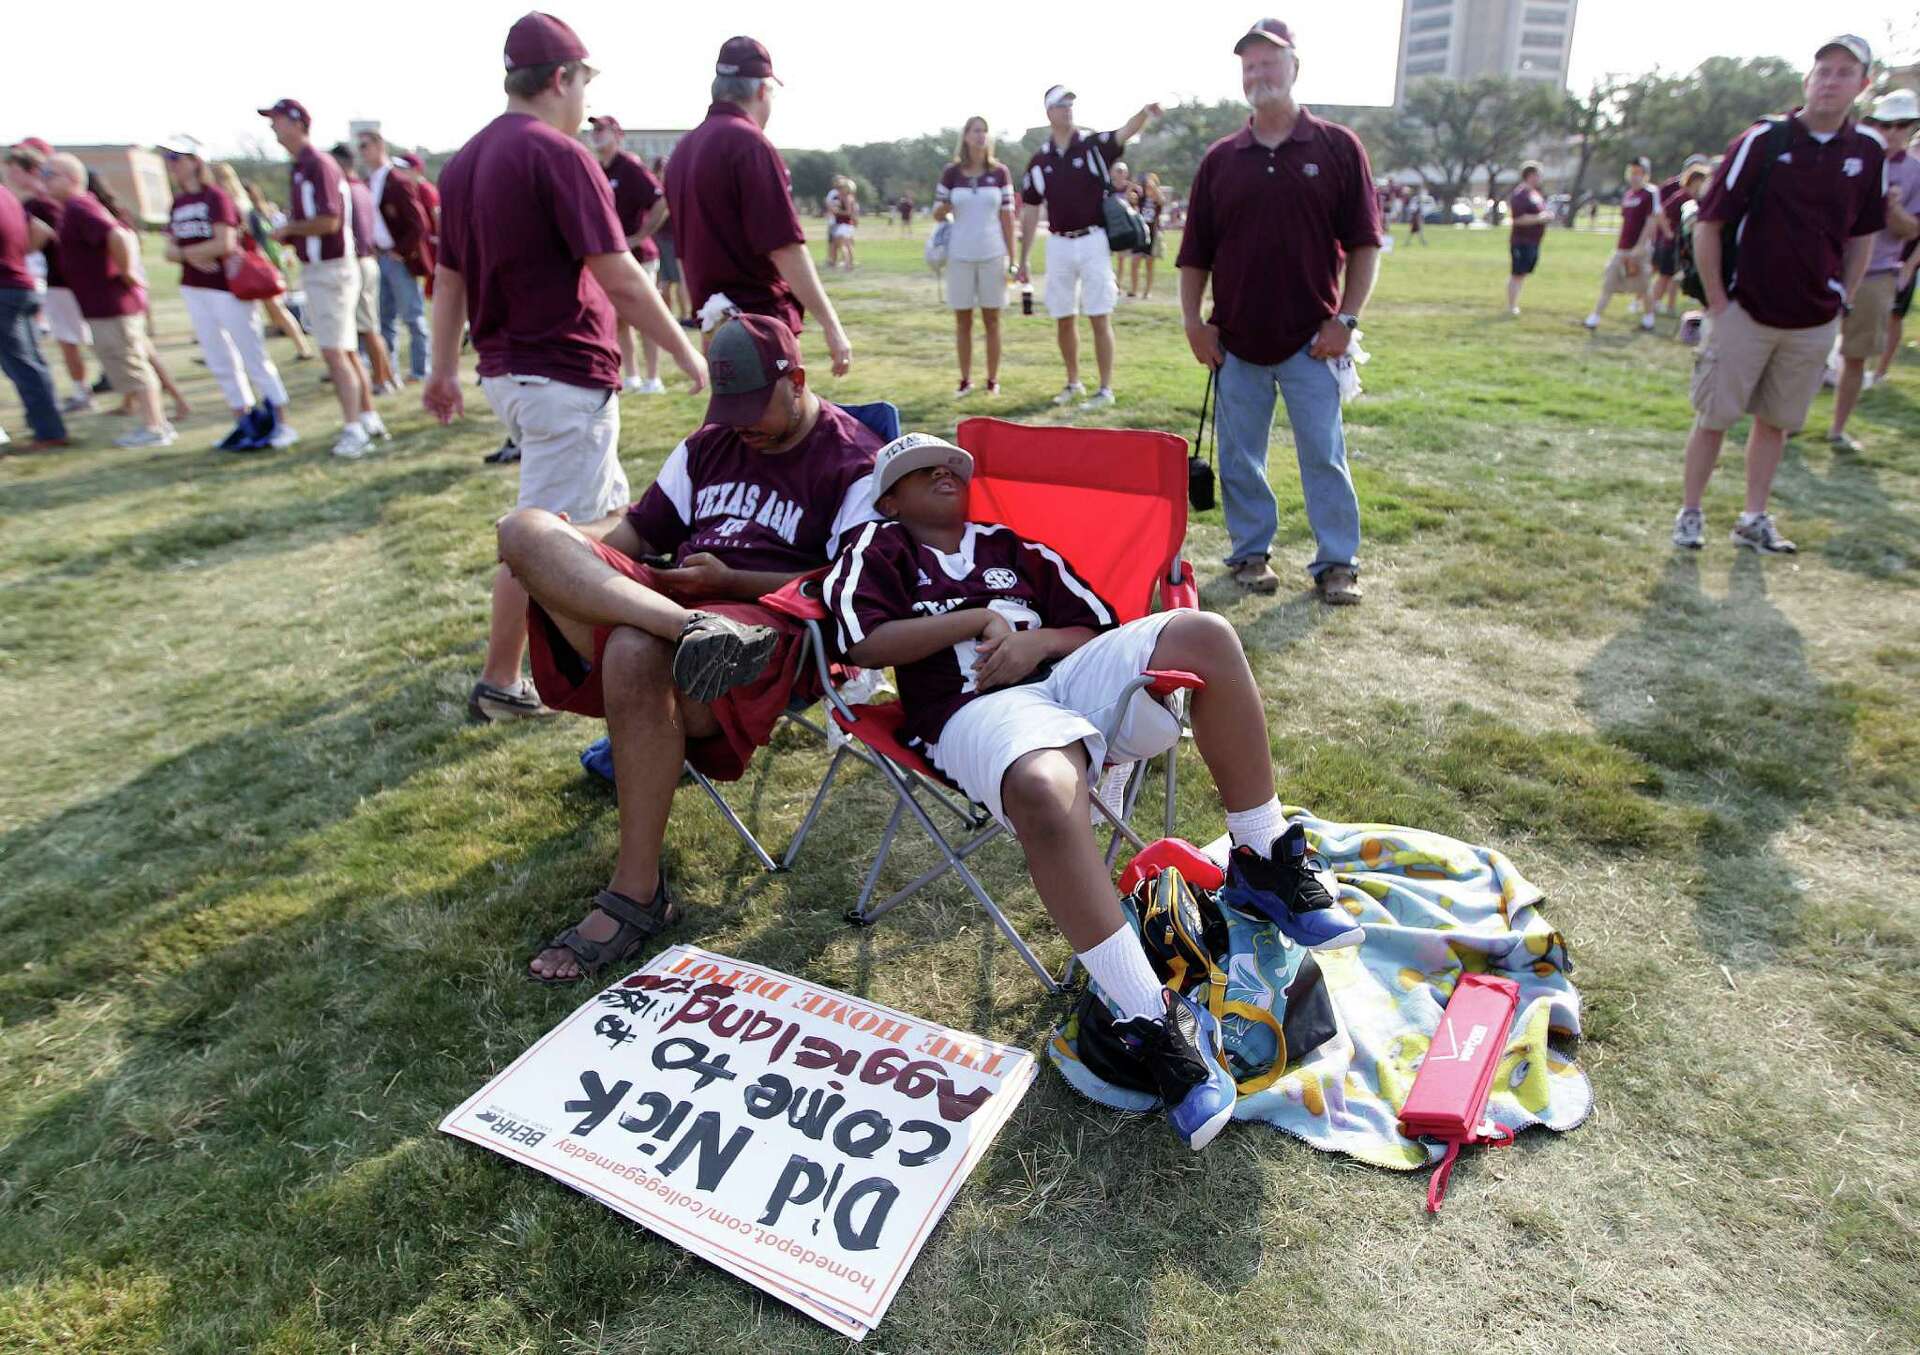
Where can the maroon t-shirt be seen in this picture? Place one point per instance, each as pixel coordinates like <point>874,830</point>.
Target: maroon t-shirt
<point>319,189</point>
<point>1636,205</point>
<point>884,575</point>
<point>522,206</point>
<point>360,195</point>
<point>1069,182</point>
<point>13,245</point>
<point>103,291</point>
<point>48,211</point>
<point>785,512</point>
<point>192,221</point>
<point>1672,198</point>
<point>1818,196</point>
<point>1273,227</point>
<point>731,201</point>
<point>635,190</point>
<point>1526,202</point>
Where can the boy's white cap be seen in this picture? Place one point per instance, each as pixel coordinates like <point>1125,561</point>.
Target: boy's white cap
<point>912,452</point>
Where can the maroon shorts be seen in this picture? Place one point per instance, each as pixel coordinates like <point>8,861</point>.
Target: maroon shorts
<point>746,715</point>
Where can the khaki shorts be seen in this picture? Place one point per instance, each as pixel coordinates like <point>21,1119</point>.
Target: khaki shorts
<point>333,295</point>
<point>568,438</point>
<point>978,283</point>
<point>1616,279</point>
<point>366,312</point>
<point>1745,367</point>
<point>1863,333</point>
<point>120,342</point>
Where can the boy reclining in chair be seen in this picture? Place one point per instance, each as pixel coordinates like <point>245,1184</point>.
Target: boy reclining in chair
<point>1009,669</point>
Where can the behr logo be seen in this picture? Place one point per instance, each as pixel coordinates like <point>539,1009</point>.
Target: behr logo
<point>1000,579</point>
<point>512,1129</point>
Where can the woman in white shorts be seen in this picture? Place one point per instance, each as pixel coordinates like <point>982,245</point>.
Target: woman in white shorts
<point>843,215</point>
<point>203,232</point>
<point>976,193</point>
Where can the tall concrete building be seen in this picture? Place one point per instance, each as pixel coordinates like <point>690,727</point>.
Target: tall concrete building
<point>1465,39</point>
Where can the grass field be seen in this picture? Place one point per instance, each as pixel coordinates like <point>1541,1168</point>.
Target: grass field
<point>266,896</point>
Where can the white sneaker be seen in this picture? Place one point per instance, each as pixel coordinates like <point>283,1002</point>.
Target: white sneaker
<point>632,385</point>
<point>1646,321</point>
<point>1100,399</point>
<point>1757,533</point>
<point>1689,529</point>
<point>1591,322</point>
<point>1070,392</point>
<point>80,402</point>
<point>1866,381</point>
<point>375,427</point>
<point>1514,311</point>
<point>147,437</point>
<point>353,442</point>
<point>284,435</point>
<point>651,385</point>
<point>388,387</point>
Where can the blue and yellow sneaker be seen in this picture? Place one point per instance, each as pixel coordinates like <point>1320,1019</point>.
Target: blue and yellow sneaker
<point>1183,1054</point>
<point>1285,887</point>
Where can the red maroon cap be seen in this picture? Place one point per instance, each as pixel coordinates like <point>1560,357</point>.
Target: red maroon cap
<point>410,160</point>
<point>542,40</point>
<point>34,143</point>
<point>1266,30</point>
<point>745,57</point>
<point>748,356</point>
<point>291,108</point>
<point>606,122</point>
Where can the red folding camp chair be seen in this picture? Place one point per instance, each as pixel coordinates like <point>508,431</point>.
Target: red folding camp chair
<point>1114,503</point>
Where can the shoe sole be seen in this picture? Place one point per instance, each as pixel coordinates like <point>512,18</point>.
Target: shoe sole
<point>716,664</point>
<point>1759,549</point>
<point>485,710</point>
<point>1210,1130</point>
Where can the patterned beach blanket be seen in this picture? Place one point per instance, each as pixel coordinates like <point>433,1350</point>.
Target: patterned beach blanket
<point>1434,908</point>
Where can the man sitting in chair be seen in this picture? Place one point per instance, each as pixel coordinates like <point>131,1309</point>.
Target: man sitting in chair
<point>1010,668</point>
<point>759,495</point>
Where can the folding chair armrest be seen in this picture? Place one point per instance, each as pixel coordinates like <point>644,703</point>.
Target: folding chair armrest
<point>798,598</point>
<point>1165,682</point>
<point>1180,591</point>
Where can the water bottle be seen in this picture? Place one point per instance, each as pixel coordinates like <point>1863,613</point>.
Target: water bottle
<point>1026,298</point>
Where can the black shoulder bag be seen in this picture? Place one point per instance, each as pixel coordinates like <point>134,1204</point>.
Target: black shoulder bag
<point>1126,230</point>
<point>1772,142</point>
<point>1199,469</point>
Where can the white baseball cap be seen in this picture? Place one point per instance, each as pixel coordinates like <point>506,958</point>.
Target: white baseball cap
<point>912,452</point>
<point>1057,95</point>
<point>1897,105</point>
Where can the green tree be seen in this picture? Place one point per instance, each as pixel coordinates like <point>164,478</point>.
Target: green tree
<point>1668,117</point>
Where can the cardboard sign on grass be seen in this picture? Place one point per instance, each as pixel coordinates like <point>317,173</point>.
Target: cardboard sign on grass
<point>802,1139</point>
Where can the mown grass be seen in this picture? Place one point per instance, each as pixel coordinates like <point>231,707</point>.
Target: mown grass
<point>265,896</point>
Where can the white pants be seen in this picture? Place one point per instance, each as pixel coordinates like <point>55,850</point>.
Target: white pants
<point>1073,704</point>
<point>1080,275</point>
<point>236,351</point>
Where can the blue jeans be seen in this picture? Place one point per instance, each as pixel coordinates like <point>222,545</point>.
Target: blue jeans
<point>20,359</point>
<point>1246,394</point>
<point>400,299</point>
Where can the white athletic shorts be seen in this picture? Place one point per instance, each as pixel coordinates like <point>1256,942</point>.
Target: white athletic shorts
<point>64,321</point>
<point>1080,275</point>
<point>333,294</point>
<point>1072,704</point>
<point>568,438</point>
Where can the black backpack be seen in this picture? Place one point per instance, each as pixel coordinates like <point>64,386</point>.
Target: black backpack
<point>1771,144</point>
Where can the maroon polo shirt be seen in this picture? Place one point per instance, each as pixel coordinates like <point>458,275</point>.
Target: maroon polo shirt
<point>1273,227</point>
<point>1672,198</point>
<point>522,206</point>
<point>1069,182</point>
<point>13,245</point>
<point>1818,196</point>
<point>103,291</point>
<point>48,212</point>
<point>1526,202</point>
<point>191,222</point>
<point>360,196</point>
<point>635,190</point>
<point>1636,205</point>
<point>731,201</point>
<point>319,189</point>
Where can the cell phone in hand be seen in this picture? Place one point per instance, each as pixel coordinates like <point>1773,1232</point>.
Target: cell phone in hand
<point>657,561</point>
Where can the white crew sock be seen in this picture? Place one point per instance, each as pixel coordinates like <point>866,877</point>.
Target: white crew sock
<point>1120,967</point>
<point>1257,827</point>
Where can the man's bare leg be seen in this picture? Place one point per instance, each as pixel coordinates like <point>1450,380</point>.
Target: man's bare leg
<point>556,565</point>
<point>649,723</point>
<point>1846,393</point>
<point>1766,445</point>
<point>1069,347</point>
<point>627,368</point>
<point>506,632</point>
<point>378,357</point>
<point>1703,452</point>
<point>1103,348</point>
<point>1895,334</point>
<point>349,382</point>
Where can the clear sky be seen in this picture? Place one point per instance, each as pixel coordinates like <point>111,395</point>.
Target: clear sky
<point>856,70</point>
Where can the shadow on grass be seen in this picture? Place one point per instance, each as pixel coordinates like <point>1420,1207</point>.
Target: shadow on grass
<point>1718,695</point>
<point>1869,535</point>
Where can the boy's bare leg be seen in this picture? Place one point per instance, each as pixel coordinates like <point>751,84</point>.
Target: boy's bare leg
<point>1229,718</point>
<point>1045,797</point>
